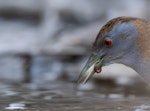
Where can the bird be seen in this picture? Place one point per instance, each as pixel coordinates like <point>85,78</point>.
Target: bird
<point>124,40</point>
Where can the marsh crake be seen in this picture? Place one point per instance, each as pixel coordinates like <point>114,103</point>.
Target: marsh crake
<point>124,40</point>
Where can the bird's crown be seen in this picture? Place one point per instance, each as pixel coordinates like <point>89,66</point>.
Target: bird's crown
<point>110,25</point>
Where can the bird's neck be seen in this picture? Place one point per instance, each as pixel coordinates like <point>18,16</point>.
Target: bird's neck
<point>141,66</point>
<point>138,57</point>
<point>143,39</point>
<point>144,71</point>
<point>133,59</point>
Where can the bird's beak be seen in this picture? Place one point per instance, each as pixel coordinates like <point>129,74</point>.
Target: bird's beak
<point>93,60</point>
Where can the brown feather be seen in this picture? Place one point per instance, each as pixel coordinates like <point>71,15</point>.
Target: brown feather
<point>143,39</point>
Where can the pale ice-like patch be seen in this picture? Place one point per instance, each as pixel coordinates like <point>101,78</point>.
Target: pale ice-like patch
<point>15,106</point>
<point>116,96</point>
<point>143,107</point>
<point>86,87</point>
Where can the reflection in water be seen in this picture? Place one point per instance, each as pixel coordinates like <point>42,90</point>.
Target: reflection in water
<point>60,95</point>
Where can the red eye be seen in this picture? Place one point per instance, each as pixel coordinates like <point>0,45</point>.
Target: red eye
<point>107,42</point>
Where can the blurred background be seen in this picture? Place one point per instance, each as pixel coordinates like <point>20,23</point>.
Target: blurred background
<point>44,44</point>
<point>47,40</point>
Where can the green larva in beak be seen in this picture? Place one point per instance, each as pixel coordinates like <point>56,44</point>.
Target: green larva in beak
<point>93,60</point>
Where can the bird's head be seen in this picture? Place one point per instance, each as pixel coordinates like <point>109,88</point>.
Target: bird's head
<point>117,42</point>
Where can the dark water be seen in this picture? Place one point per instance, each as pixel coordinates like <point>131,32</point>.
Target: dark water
<point>68,96</point>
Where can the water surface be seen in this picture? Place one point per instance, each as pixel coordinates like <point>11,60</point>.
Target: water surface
<point>69,96</point>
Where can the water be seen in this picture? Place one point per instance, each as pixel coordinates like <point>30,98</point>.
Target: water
<point>68,96</point>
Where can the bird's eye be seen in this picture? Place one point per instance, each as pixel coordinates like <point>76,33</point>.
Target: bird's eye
<point>107,42</point>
